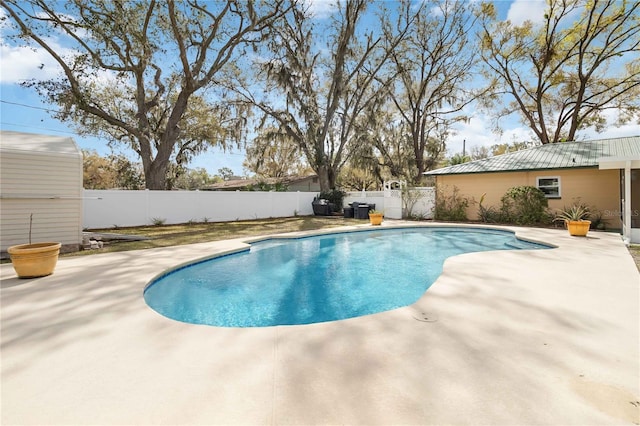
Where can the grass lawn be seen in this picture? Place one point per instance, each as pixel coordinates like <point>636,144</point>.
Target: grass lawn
<point>189,233</point>
<point>634,249</point>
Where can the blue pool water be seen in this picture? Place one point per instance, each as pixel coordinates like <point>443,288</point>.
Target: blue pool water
<point>317,279</point>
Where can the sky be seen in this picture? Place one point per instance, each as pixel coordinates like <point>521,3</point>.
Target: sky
<point>22,110</point>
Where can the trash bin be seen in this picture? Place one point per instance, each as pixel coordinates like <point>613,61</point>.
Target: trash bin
<point>348,212</point>
<point>362,212</point>
<point>321,208</point>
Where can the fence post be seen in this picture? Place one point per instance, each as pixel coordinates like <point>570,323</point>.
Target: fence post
<point>146,205</point>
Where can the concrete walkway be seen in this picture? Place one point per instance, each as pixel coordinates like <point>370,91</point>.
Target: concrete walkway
<point>546,337</point>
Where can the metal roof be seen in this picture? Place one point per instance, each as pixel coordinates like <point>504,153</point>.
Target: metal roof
<point>564,155</point>
<point>37,143</point>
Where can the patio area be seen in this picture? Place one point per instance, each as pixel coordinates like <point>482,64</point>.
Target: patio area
<point>541,337</point>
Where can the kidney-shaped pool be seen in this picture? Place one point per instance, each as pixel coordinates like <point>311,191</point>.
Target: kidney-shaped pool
<point>284,281</point>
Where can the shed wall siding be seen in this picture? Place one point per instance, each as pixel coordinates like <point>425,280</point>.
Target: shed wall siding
<point>38,174</point>
<point>305,186</point>
<point>597,188</point>
<point>49,185</point>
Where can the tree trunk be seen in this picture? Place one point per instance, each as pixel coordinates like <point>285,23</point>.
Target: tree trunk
<point>420,168</point>
<point>155,175</point>
<point>324,178</point>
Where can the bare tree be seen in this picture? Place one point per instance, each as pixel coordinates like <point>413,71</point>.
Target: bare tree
<point>562,75</point>
<point>157,58</point>
<point>430,68</point>
<point>317,95</point>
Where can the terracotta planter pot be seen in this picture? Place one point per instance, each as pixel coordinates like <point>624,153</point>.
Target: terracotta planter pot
<point>375,218</point>
<point>34,260</point>
<point>578,228</point>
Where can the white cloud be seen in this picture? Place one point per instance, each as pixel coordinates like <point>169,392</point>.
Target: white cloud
<point>321,8</point>
<point>612,131</point>
<point>475,132</point>
<point>527,10</point>
<point>478,132</point>
<point>21,63</point>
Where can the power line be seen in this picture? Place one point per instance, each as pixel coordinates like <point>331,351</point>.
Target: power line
<point>29,106</point>
<point>4,123</point>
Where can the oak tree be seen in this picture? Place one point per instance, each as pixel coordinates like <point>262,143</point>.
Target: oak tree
<point>143,72</point>
<point>429,70</point>
<point>563,74</point>
<point>318,79</point>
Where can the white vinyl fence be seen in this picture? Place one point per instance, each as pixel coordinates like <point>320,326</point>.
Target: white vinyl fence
<point>368,197</point>
<point>421,202</point>
<point>106,209</point>
<point>112,208</point>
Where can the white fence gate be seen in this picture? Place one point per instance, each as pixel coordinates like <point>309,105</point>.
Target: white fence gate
<point>393,200</point>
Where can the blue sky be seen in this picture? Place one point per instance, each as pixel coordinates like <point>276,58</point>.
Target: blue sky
<point>22,110</point>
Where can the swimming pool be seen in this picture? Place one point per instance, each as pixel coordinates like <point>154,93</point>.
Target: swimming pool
<point>318,278</point>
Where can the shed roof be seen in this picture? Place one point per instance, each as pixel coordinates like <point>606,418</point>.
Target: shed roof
<point>566,155</point>
<point>37,143</point>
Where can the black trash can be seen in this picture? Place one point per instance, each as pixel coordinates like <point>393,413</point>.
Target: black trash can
<point>362,212</point>
<point>321,208</point>
<point>348,212</point>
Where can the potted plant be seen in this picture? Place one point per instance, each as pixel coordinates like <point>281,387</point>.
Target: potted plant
<point>575,217</point>
<point>375,217</point>
<point>34,260</point>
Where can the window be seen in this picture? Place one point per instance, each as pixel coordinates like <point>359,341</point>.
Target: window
<point>550,185</point>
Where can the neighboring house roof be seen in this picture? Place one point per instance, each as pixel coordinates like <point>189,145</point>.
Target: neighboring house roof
<point>242,183</point>
<point>564,155</point>
<point>230,184</point>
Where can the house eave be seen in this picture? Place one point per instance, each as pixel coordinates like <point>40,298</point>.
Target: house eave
<point>618,163</point>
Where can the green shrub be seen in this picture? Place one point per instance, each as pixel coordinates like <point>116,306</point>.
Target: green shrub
<point>575,212</point>
<point>335,196</point>
<point>158,221</point>
<point>410,197</point>
<point>597,220</point>
<point>581,211</point>
<point>489,214</point>
<point>524,205</point>
<point>451,206</point>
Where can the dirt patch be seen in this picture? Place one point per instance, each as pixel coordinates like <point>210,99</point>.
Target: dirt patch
<point>635,253</point>
<point>611,400</point>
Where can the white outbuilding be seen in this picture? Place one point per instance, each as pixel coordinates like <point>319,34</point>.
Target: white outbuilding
<point>40,175</point>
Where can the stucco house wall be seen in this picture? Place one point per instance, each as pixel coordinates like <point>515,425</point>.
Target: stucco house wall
<point>596,188</point>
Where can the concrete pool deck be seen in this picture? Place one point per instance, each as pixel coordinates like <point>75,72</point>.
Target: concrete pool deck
<point>543,337</point>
